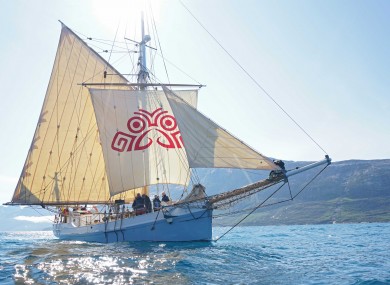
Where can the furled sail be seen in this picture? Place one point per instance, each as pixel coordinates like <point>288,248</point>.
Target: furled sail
<point>65,161</point>
<point>141,142</point>
<point>210,146</point>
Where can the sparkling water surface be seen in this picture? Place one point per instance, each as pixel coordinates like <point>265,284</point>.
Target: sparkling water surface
<point>310,254</point>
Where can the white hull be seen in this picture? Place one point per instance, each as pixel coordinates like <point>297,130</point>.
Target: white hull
<point>173,223</point>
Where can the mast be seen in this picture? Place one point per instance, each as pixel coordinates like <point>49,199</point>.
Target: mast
<point>143,72</point>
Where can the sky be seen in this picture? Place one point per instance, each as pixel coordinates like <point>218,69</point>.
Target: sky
<point>326,63</point>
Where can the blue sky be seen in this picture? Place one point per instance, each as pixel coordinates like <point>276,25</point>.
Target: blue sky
<point>326,62</point>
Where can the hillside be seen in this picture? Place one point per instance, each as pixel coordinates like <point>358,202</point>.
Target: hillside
<point>351,191</point>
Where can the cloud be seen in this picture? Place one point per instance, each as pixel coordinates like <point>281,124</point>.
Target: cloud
<point>36,220</point>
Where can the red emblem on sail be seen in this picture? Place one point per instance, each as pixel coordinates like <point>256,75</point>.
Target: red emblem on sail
<point>141,124</point>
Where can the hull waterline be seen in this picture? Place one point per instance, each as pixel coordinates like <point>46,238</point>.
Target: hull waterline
<point>177,224</point>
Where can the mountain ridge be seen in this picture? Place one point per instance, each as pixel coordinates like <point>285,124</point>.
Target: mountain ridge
<point>351,191</point>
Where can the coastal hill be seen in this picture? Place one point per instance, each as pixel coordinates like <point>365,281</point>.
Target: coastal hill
<point>352,191</point>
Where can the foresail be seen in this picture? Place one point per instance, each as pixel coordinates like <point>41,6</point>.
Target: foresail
<point>65,161</point>
<point>140,139</point>
<point>208,145</point>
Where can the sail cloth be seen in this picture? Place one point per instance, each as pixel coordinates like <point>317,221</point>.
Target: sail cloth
<point>65,161</point>
<point>141,142</point>
<point>150,137</point>
<point>210,146</point>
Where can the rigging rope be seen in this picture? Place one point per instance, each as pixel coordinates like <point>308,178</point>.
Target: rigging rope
<point>239,222</point>
<point>158,41</point>
<point>253,79</point>
<point>279,202</point>
<point>113,43</point>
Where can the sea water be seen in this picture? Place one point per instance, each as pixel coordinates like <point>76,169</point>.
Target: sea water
<point>309,254</point>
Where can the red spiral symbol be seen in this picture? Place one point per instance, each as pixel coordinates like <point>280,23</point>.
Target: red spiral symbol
<point>122,142</point>
<point>168,123</point>
<point>140,127</point>
<point>136,124</point>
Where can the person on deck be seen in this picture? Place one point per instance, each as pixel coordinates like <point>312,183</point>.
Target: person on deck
<point>156,203</point>
<point>148,204</point>
<point>65,214</point>
<point>280,163</point>
<point>138,202</point>
<point>275,174</point>
<point>164,198</point>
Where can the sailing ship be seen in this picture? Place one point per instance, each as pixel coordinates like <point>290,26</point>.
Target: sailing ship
<point>101,140</point>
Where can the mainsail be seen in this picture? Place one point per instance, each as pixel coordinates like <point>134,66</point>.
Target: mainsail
<point>65,162</point>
